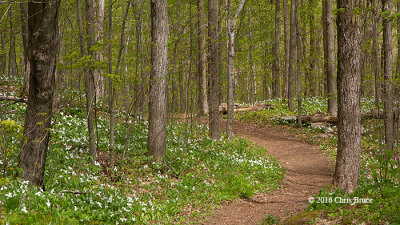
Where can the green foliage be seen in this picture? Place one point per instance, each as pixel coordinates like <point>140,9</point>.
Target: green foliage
<point>270,219</point>
<point>198,172</point>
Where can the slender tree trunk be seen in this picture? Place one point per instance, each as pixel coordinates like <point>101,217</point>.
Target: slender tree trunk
<point>91,73</point>
<point>276,77</point>
<point>330,42</point>
<point>313,71</point>
<point>43,32</point>
<point>375,53</point>
<point>286,32</point>
<point>175,103</point>
<point>349,112</point>
<point>292,55</point>
<point>158,86</point>
<point>299,99</point>
<point>213,69</point>
<point>12,60</point>
<point>111,88</point>
<point>139,89</point>
<point>3,60</point>
<point>388,76</point>
<point>230,30</point>
<point>202,67</point>
<point>25,31</point>
<point>325,47</point>
<point>250,58</point>
<point>99,79</point>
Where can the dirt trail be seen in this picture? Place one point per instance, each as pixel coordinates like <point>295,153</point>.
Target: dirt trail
<point>307,170</point>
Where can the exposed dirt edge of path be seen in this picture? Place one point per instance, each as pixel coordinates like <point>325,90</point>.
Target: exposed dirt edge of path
<point>307,171</point>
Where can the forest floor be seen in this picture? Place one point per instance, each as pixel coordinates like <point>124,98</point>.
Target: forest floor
<point>307,171</point>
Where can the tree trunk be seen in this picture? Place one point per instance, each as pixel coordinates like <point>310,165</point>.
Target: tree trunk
<point>25,31</point>
<point>276,77</point>
<point>292,55</point>
<point>213,69</point>
<point>90,76</point>
<point>3,60</point>
<point>43,32</point>
<point>12,60</point>
<point>322,87</point>
<point>397,74</point>
<point>158,86</point>
<point>313,70</point>
<point>111,88</point>
<point>250,58</point>
<point>347,170</point>
<point>202,66</point>
<point>375,53</point>
<point>299,99</point>
<point>230,30</point>
<point>388,76</point>
<point>286,31</point>
<point>330,42</point>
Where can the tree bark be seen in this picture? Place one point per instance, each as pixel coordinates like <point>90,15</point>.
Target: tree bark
<point>91,72</point>
<point>158,88</point>
<point>299,99</point>
<point>330,42</point>
<point>213,69</point>
<point>202,66</point>
<point>230,30</point>
<point>347,170</point>
<point>286,35</point>
<point>12,60</point>
<point>43,40</point>
<point>276,77</point>
<point>292,55</point>
<point>25,31</point>
<point>313,70</point>
<point>111,88</point>
<point>388,74</point>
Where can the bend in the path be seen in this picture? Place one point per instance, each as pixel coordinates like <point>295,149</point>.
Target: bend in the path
<point>307,171</point>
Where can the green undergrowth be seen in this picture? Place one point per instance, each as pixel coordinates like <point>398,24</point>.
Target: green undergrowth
<point>197,174</point>
<point>379,175</point>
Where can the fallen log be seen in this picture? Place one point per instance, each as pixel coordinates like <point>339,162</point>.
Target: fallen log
<point>223,108</point>
<point>321,118</point>
<point>13,98</point>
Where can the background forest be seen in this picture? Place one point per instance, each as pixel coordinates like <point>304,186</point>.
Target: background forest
<point>104,106</point>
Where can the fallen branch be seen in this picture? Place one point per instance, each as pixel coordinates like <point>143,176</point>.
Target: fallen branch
<point>13,98</point>
<point>72,192</point>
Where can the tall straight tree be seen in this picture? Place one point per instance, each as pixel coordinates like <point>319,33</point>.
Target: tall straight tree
<point>313,71</point>
<point>276,77</point>
<point>213,64</point>
<point>43,45</point>
<point>202,61</point>
<point>330,57</point>
<point>292,54</point>
<point>286,35</point>
<point>347,170</point>
<point>388,74</point>
<point>230,30</point>
<point>91,71</point>
<point>158,74</point>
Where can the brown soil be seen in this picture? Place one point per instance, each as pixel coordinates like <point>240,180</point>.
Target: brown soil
<point>307,171</point>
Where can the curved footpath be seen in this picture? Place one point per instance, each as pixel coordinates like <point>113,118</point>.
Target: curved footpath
<point>307,171</point>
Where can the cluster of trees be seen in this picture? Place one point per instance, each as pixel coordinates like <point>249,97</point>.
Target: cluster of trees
<point>239,51</point>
